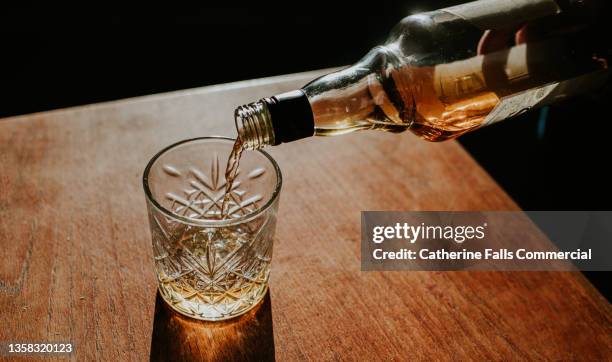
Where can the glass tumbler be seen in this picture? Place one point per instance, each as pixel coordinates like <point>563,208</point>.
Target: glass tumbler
<point>211,266</point>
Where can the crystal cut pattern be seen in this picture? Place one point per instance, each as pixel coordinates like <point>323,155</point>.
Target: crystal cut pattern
<point>212,272</point>
<point>203,195</point>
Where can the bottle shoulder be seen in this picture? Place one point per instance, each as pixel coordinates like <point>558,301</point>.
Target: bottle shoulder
<point>433,37</point>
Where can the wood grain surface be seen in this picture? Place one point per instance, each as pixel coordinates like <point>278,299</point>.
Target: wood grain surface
<point>76,249</point>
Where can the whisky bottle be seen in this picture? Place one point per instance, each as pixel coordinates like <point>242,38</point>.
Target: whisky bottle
<point>443,73</point>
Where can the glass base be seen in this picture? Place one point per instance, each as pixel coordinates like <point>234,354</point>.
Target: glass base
<point>229,307</point>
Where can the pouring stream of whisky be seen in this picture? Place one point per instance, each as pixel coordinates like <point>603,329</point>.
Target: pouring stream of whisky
<point>231,171</point>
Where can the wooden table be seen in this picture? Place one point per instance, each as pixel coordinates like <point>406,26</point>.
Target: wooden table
<point>76,250</point>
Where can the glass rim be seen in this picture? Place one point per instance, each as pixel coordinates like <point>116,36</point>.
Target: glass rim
<point>210,223</point>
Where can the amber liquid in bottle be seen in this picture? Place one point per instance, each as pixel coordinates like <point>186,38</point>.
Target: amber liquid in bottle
<point>443,101</point>
<point>415,106</point>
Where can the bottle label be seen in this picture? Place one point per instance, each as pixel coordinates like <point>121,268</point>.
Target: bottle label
<point>516,104</point>
<point>497,14</point>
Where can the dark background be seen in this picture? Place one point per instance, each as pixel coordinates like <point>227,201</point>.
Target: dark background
<point>53,57</point>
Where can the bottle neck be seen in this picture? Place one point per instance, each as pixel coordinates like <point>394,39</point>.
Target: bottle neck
<point>271,121</point>
<point>254,125</point>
